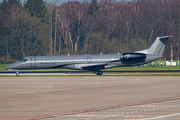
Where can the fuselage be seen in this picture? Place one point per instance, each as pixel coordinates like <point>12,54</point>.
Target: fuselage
<point>79,62</point>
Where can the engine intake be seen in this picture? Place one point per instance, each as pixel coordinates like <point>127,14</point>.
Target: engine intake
<point>133,57</point>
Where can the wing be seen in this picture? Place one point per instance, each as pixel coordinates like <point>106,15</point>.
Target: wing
<point>94,67</point>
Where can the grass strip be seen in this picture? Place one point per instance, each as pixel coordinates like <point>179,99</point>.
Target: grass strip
<point>3,66</point>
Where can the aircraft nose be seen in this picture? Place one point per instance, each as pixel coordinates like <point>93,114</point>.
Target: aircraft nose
<point>9,67</point>
<point>12,66</point>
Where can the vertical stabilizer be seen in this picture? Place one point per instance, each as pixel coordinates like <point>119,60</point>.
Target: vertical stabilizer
<point>157,47</point>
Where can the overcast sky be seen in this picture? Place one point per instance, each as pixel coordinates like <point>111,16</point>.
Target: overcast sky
<point>62,1</point>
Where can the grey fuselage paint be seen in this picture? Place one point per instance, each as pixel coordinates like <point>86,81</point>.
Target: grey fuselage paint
<point>78,61</point>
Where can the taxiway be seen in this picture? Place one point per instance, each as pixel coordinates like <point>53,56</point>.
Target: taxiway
<point>140,98</point>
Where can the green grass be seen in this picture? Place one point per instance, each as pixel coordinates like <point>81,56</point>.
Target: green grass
<point>2,68</point>
<point>147,68</point>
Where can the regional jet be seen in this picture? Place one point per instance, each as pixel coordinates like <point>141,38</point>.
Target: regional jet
<point>95,62</point>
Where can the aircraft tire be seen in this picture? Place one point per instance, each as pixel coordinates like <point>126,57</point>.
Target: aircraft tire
<point>99,73</point>
<point>17,73</point>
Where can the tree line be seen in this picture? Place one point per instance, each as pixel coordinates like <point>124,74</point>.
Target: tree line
<point>107,26</point>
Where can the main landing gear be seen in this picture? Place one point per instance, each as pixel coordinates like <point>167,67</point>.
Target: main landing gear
<point>17,73</point>
<point>98,72</point>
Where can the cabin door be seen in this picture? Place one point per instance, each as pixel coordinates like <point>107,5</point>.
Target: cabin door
<point>33,61</point>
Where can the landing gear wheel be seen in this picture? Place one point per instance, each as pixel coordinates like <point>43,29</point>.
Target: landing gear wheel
<point>17,73</point>
<point>99,73</point>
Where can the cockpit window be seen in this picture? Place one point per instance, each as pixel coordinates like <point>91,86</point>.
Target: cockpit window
<point>23,60</point>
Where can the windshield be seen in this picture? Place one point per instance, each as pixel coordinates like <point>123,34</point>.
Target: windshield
<point>23,60</point>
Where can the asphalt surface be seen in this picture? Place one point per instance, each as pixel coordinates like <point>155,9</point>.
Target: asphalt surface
<point>130,72</point>
<point>90,98</point>
<point>125,71</point>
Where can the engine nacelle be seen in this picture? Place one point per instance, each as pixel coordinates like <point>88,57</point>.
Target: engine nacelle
<point>133,57</point>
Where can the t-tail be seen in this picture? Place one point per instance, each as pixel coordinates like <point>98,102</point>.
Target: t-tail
<point>157,48</point>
